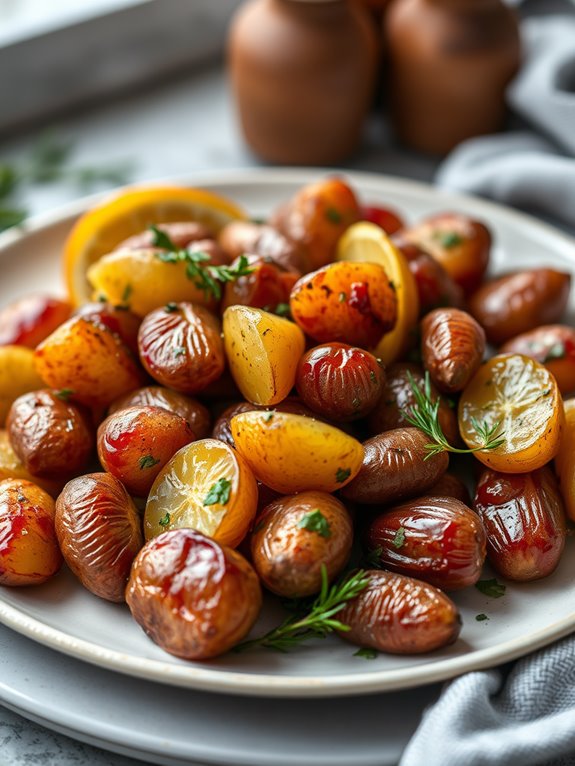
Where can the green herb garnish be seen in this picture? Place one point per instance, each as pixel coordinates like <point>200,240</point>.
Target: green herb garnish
<point>448,238</point>
<point>491,588</point>
<point>399,538</point>
<point>219,493</point>
<point>165,520</point>
<point>315,521</point>
<point>333,215</point>
<point>319,621</point>
<point>367,653</point>
<point>179,351</point>
<point>170,307</point>
<point>282,310</point>
<point>342,474</point>
<point>209,279</point>
<point>373,558</point>
<point>557,351</point>
<point>481,617</point>
<point>64,394</point>
<point>425,416</point>
<point>147,461</point>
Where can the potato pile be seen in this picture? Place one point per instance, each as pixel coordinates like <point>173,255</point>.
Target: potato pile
<point>238,407</point>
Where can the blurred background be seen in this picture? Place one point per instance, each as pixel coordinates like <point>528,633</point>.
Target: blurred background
<point>109,91</point>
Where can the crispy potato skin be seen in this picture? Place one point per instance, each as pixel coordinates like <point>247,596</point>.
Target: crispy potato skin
<point>99,532</point>
<point>338,381</point>
<point>86,356</point>
<point>349,302</point>
<point>397,398</point>
<point>182,349</point>
<point>460,244</point>
<point>135,444</point>
<point>400,615</point>
<point>394,468</point>
<point>524,518</point>
<point>28,321</point>
<point>435,287</point>
<point>239,237</point>
<point>193,597</point>
<point>316,217</point>
<point>287,556</point>
<point>442,541</point>
<point>52,437</point>
<point>265,287</point>
<point>29,551</point>
<point>194,412</point>
<point>519,302</point>
<point>452,345</point>
<point>11,467</point>
<point>552,345</point>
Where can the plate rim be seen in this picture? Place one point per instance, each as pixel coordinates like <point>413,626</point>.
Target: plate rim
<point>266,685</point>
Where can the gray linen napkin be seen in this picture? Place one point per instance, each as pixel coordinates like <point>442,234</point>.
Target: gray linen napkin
<point>534,171</point>
<point>528,716</point>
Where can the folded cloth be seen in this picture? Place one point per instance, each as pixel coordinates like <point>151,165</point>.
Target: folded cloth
<point>483,720</point>
<point>526,169</point>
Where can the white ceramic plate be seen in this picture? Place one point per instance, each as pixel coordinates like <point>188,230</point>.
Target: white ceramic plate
<point>62,615</point>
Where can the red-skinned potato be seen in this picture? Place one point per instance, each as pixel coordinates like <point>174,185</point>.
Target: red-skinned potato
<point>28,321</point>
<point>395,467</point>
<point>135,444</point>
<point>267,286</point>
<point>295,536</point>
<point>400,615</point>
<point>181,347</point>
<point>246,237</point>
<point>29,552</point>
<point>436,539</point>
<point>350,302</point>
<point>51,436</point>
<point>338,381</point>
<point>516,303</point>
<point>524,519</point>
<point>450,485</point>
<point>193,597</point>
<point>459,243</point>
<point>85,356</point>
<point>452,346</point>
<point>388,220</point>
<point>182,234</point>
<point>99,532</point>
<point>316,217</point>
<point>194,413</point>
<point>551,345</point>
<point>397,398</point>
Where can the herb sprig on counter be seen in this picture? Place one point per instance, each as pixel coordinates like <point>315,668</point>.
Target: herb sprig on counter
<point>319,620</point>
<point>49,162</point>
<point>209,279</point>
<point>425,416</point>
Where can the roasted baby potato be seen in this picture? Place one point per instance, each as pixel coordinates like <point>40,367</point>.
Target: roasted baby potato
<point>135,444</point>
<point>194,413</point>
<point>292,453</point>
<point>519,302</point>
<point>240,237</point>
<point>450,485</point>
<point>263,351</point>
<point>524,520</point>
<point>459,243</point>
<point>222,427</point>
<point>396,465</point>
<point>99,532</point>
<point>565,459</point>
<point>28,321</point>
<point>338,381</point>
<point>316,217</point>
<point>11,467</point>
<point>400,615</point>
<point>552,345</point>
<point>435,288</point>
<point>452,346</point>
<point>436,539</point>
<point>193,597</point>
<point>87,358</point>
<point>350,302</point>
<point>52,436</point>
<point>17,376</point>
<point>181,347</point>
<point>182,234</point>
<point>206,486</point>
<point>267,286</point>
<point>295,536</point>
<point>29,552</point>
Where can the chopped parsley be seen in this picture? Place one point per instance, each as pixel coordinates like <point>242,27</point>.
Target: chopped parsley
<point>399,538</point>
<point>219,493</point>
<point>315,521</point>
<point>170,307</point>
<point>64,394</point>
<point>147,461</point>
<point>481,617</point>
<point>165,520</point>
<point>448,238</point>
<point>333,215</point>
<point>342,474</point>
<point>491,588</point>
<point>367,653</point>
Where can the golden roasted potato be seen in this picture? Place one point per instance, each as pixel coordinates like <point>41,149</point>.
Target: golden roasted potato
<point>292,453</point>
<point>295,536</point>
<point>29,552</point>
<point>192,596</point>
<point>263,352</point>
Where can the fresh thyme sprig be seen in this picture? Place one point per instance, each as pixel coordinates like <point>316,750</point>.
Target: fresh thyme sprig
<point>425,416</point>
<point>319,621</point>
<point>209,279</point>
